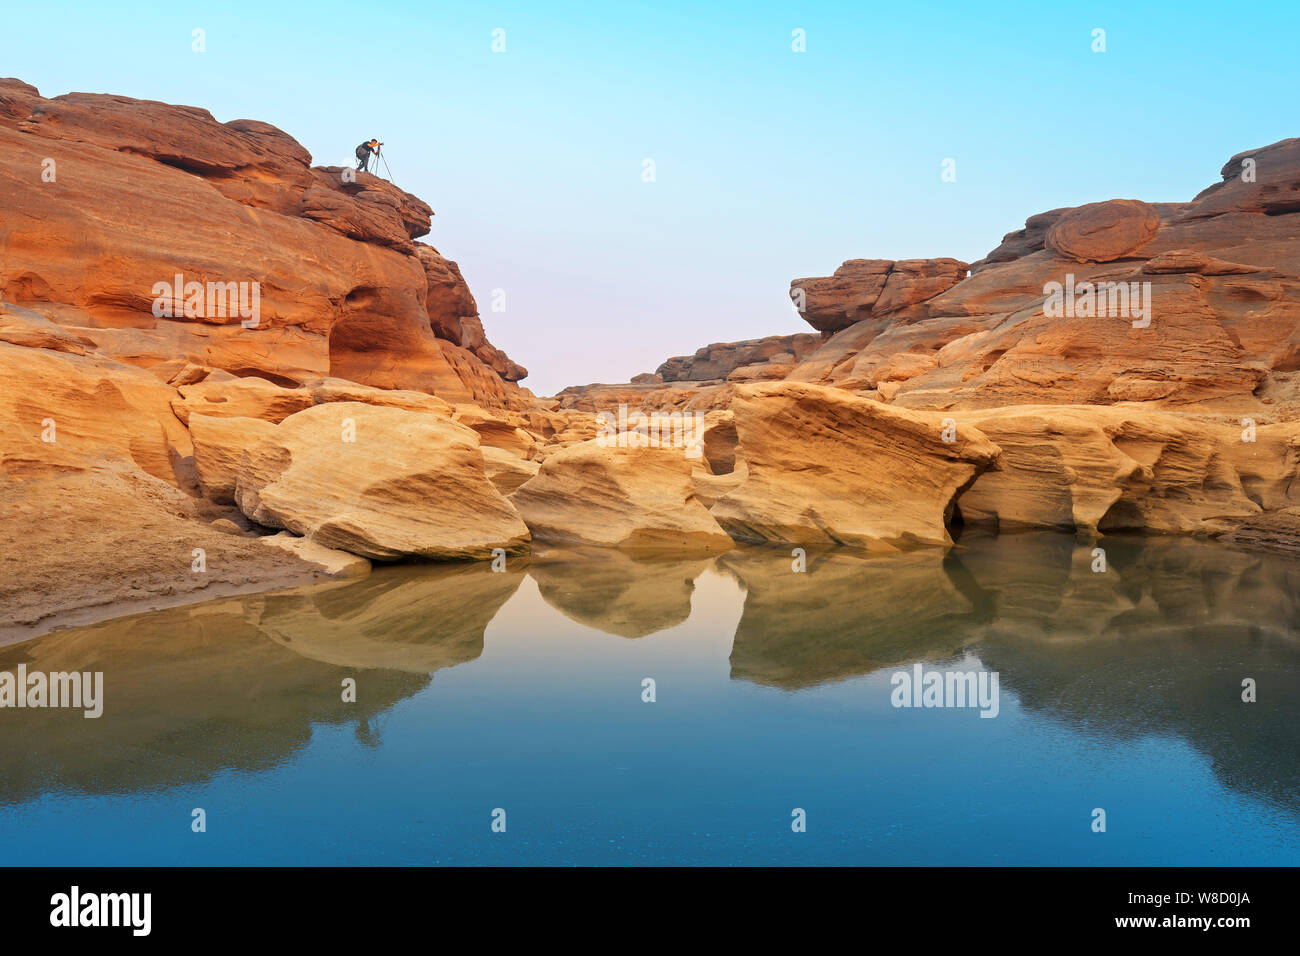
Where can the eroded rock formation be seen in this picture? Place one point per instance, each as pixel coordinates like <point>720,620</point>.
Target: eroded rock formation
<point>106,197</point>
<point>1116,366</point>
<point>158,267</point>
<point>595,494</point>
<point>1192,305</point>
<point>1130,365</point>
<point>826,467</point>
<point>865,289</point>
<point>768,358</point>
<point>383,483</point>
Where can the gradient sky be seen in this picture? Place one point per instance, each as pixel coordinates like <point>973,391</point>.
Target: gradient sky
<point>770,164</point>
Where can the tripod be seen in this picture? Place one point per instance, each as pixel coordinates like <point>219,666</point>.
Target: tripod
<point>379,154</point>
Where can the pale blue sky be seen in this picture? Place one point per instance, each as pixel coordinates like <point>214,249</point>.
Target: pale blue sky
<point>770,164</point>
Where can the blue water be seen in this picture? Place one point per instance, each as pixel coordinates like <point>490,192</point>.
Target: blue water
<point>523,691</point>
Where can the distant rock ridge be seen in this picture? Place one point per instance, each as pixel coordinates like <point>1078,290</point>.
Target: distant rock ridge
<point>863,289</point>
<point>1192,305</point>
<point>770,357</point>
<point>1189,305</point>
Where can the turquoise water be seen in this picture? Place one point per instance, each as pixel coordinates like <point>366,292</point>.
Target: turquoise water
<point>522,691</point>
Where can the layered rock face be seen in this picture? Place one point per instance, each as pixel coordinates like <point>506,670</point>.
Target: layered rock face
<point>828,468</point>
<point>1118,468</point>
<point>91,513</point>
<point>774,463</point>
<point>635,498</point>
<point>177,294</point>
<point>303,272</point>
<point>1117,366</point>
<point>865,289</point>
<point>1129,365</point>
<point>383,483</point>
<point>453,314</point>
<point>1190,305</point>
<point>768,358</point>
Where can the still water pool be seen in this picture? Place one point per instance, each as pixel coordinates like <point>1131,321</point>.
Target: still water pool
<point>774,692</point>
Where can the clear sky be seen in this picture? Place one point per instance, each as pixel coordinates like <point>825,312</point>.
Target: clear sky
<point>769,164</point>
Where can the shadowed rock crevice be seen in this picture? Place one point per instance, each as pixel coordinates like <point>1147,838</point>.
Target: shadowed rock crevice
<point>720,445</point>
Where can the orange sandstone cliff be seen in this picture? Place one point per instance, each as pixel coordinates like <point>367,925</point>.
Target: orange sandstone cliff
<point>311,290</point>
<point>105,196</point>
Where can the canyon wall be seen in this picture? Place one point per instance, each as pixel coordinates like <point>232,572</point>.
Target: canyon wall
<point>1136,364</point>
<point>105,197</point>
<point>227,369</point>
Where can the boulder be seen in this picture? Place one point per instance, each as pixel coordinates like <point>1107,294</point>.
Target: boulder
<point>240,398</point>
<point>603,495</point>
<point>1103,231</point>
<point>506,470</point>
<point>828,467</point>
<point>497,429</point>
<point>219,447</point>
<point>863,289</point>
<point>383,483</point>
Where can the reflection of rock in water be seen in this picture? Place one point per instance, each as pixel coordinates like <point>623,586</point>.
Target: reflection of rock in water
<point>848,614</point>
<point>1043,584</point>
<point>416,618</point>
<point>1163,684</point>
<point>188,693</point>
<point>1186,621</point>
<point>1158,643</point>
<point>616,592</point>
